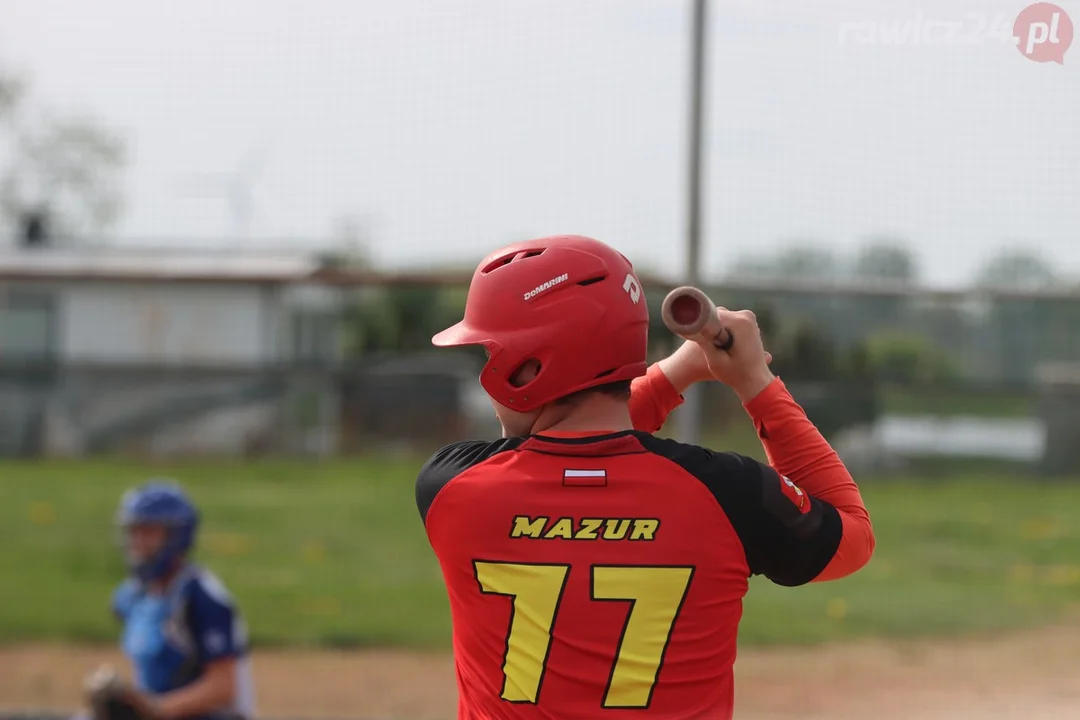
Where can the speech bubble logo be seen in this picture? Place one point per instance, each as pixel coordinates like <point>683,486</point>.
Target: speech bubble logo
<point>1043,32</point>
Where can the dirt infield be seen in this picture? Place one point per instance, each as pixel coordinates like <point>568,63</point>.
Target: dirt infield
<point>1035,676</point>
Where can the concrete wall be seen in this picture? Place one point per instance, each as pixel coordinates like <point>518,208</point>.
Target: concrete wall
<point>168,368</point>
<point>170,324</point>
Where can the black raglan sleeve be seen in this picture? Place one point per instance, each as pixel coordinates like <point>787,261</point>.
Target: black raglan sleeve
<point>451,461</point>
<point>788,535</point>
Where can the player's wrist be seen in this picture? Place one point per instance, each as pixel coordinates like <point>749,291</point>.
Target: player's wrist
<point>680,369</point>
<point>753,385</point>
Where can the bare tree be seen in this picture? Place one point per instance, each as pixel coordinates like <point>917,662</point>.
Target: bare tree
<point>63,170</point>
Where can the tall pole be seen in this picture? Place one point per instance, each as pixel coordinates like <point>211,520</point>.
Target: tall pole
<point>689,416</point>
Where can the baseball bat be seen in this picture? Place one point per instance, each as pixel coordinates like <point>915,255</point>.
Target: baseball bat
<point>689,313</point>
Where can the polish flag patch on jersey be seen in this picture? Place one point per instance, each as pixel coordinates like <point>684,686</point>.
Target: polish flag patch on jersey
<point>795,494</point>
<point>584,478</point>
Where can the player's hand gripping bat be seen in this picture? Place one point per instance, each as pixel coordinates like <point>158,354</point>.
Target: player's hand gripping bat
<point>689,313</point>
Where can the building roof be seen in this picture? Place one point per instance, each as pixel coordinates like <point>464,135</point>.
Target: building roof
<point>153,264</point>
<point>209,265</point>
<point>198,265</point>
<point>276,266</point>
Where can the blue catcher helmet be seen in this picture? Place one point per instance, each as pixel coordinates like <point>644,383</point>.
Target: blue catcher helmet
<point>163,503</point>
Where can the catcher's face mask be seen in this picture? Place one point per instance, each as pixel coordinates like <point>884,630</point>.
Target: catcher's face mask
<point>142,541</point>
<point>158,524</point>
<point>151,550</point>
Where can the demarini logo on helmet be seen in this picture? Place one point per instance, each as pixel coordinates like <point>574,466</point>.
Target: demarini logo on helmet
<point>546,286</point>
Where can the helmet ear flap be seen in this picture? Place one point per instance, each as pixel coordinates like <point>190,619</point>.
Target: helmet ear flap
<point>525,373</point>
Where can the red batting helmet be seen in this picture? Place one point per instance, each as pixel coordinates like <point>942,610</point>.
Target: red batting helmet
<point>570,302</point>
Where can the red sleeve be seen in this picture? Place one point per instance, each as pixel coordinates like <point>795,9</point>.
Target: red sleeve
<point>798,451</point>
<point>652,398</point>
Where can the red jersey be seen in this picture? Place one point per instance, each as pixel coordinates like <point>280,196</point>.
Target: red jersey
<point>603,576</point>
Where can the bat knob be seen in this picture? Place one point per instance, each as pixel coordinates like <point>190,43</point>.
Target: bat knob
<point>686,310</point>
<point>691,314</point>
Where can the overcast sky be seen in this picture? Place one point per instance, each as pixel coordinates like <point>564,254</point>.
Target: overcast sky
<point>452,126</point>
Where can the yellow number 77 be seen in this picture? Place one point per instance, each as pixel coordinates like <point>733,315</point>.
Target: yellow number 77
<point>655,595</point>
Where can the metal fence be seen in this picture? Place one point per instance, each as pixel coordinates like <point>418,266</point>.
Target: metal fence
<point>81,410</point>
<point>852,354</point>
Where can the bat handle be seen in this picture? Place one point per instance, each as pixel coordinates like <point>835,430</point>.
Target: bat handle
<point>691,314</point>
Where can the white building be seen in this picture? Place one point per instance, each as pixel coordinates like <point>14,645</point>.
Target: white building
<point>172,350</point>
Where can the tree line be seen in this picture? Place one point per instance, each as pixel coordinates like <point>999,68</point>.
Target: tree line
<point>890,259</point>
<point>61,172</point>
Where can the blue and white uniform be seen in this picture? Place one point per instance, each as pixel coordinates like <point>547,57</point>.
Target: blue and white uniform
<point>172,637</point>
<point>173,633</point>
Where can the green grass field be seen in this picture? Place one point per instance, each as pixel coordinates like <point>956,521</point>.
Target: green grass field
<point>334,554</point>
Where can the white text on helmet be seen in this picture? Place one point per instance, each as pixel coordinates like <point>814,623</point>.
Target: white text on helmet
<point>546,286</point>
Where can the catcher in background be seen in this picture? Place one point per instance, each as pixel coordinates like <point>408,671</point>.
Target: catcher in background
<point>182,632</point>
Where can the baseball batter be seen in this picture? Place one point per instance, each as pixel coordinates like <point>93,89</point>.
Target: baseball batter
<point>595,571</point>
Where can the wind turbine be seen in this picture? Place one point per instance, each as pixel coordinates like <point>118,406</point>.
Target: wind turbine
<point>236,188</point>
